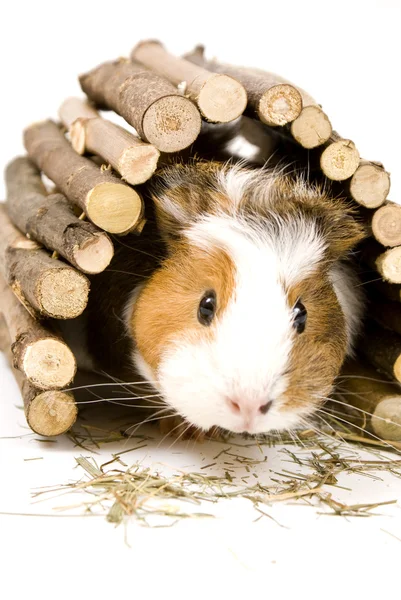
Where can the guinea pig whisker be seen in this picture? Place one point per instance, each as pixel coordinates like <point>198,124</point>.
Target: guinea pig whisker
<point>326,435</point>
<point>344,377</point>
<point>171,431</point>
<point>94,385</point>
<point>135,248</point>
<point>367,282</point>
<point>181,435</point>
<point>344,392</point>
<point>365,412</point>
<point>157,416</point>
<point>310,425</point>
<point>295,438</point>
<point>99,399</point>
<point>127,273</point>
<point>381,440</point>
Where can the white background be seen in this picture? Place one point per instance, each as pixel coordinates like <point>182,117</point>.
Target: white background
<point>346,54</point>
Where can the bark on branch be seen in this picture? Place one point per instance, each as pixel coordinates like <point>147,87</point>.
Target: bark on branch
<point>219,97</point>
<point>49,412</point>
<point>275,101</point>
<point>135,160</point>
<point>43,358</point>
<point>51,221</point>
<point>44,285</point>
<point>148,102</point>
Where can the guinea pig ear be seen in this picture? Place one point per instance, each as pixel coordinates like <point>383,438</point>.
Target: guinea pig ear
<point>343,232</point>
<point>180,194</point>
<point>172,214</point>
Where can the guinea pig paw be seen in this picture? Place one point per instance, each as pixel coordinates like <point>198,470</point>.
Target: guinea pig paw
<point>176,426</point>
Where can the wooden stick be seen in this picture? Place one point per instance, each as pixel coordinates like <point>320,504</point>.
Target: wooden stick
<point>48,413</point>
<point>382,348</point>
<point>220,98</point>
<point>44,359</point>
<point>387,263</point>
<point>340,159</point>
<point>135,160</point>
<point>367,390</point>
<point>44,285</point>
<point>148,102</point>
<point>50,220</point>
<point>370,184</point>
<point>275,101</point>
<point>107,201</point>
<point>386,224</point>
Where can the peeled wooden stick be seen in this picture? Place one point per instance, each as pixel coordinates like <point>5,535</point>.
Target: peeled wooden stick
<point>44,359</point>
<point>386,224</point>
<point>378,398</point>
<point>107,201</point>
<point>386,262</point>
<point>135,160</point>
<point>48,413</point>
<point>370,184</point>
<point>382,348</point>
<point>148,102</point>
<point>44,285</point>
<point>340,159</point>
<point>219,97</point>
<point>275,100</point>
<point>50,220</point>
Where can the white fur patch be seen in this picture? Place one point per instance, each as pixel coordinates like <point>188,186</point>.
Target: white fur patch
<point>290,256</point>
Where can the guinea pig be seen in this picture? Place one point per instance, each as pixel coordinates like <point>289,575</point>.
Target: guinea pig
<point>238,302</point>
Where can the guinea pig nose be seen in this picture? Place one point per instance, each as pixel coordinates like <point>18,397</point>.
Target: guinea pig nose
<point>247,407</point>
<point>265,407</point>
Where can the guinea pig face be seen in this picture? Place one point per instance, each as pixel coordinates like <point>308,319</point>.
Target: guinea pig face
<point>244,326</point>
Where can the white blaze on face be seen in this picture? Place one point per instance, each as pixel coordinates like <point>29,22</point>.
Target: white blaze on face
<point>248,354</point>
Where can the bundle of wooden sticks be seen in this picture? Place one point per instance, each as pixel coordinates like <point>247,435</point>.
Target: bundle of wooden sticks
<point>50,241</point>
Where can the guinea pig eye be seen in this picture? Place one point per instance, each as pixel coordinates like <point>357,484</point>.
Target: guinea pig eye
<point>300,316</point>
<point>207,308</point>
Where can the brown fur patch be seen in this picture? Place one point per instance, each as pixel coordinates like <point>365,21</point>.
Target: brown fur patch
<point>168,305</point>
<point>319,351</point>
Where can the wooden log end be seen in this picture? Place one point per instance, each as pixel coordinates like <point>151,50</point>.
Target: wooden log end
<point>370,185</point>
<point>386,419</point>
<point>51,413</point>
<point>279,105</point>
<point>312,128</point>
<point>171,123</point>
<point>340,160</point>
<point>114,207</point>
<point>63,293</point>
<point>94,256</point>
<point>389,265</point>
<point>386,225</point>
<point>77,136</point>
<point>49,364</point>
<point>138,163</point>
<point>222,99</point>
